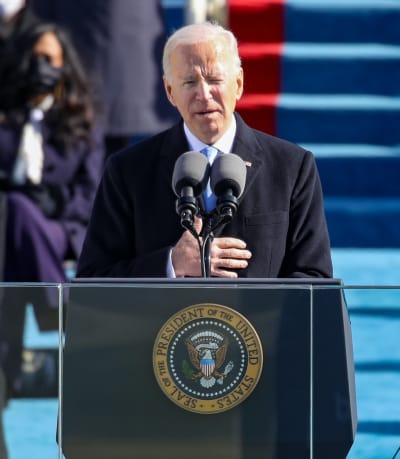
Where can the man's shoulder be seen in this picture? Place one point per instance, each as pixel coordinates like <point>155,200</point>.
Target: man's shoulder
<point>146,150</point>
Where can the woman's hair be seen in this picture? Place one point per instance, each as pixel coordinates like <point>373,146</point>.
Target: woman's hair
<point>200,33</point>
<point>71,116</point>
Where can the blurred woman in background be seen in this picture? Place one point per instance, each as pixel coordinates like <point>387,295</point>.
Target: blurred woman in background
<point>51,158</point>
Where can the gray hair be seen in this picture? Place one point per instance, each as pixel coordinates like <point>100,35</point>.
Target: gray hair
<point>195,33</point>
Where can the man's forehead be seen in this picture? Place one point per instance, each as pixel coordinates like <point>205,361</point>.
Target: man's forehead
<point>212,47</point>
<point>205,54</point>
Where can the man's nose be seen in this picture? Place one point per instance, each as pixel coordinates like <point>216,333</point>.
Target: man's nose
<point>203,90</point>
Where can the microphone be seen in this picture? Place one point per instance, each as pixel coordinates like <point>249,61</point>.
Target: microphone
<point>228,178</point>
<point>189,179</point>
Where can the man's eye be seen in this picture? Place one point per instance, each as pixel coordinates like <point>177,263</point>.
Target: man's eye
<point>216,80</point>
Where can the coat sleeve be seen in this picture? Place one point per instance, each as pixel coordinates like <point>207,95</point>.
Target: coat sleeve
<point>308,248</point>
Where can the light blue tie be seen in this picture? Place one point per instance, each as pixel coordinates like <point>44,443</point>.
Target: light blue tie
<point>208,196</point>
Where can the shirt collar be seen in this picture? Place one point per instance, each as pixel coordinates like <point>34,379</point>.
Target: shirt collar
<point>224,144</point>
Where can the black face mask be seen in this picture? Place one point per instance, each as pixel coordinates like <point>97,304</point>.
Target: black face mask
<point>42,76</point>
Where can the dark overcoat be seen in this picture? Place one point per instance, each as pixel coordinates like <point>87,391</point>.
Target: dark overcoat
<point>280,216</point>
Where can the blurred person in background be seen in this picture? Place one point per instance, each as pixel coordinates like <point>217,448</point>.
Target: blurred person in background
<point>120,42</point>
<point>51,159</point>
<point>16,17</point>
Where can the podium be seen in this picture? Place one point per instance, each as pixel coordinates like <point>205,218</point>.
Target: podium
<point>114,405</point>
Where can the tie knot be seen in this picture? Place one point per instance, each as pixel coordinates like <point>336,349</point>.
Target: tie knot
<point>210,152</point>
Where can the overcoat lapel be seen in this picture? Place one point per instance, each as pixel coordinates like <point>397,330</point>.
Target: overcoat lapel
<point>247,147</point>
<point>173,145</point>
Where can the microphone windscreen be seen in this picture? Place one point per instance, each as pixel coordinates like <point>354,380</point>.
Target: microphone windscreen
<point>228,172</point>
<point>191,169</point>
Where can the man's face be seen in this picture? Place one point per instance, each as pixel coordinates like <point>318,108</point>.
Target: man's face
<point>204,86</point>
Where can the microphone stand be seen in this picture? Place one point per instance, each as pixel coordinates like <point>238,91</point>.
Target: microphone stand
<point>205,249</point>
<point>211,223</point>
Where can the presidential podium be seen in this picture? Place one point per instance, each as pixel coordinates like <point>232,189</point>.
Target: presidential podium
<point>189,369</point>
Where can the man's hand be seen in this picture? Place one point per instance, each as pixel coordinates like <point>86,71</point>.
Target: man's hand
<point>227,254</point>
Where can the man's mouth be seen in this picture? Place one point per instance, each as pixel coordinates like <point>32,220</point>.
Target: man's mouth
<point>206,112</point>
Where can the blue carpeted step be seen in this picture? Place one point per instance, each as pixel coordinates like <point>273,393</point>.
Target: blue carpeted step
<point>342,150</point>
<point>339,119</point>
<point>340,69</point>
<point>365,266</point>
<point>375,174</point>
<point>31,429</point>
<point>385,406</point>
<point>377,364</point>
<point>342,21</point>
<point>363,222</point>
<point>378,429</point>
<point>382,353</point>
<point>375,323</point>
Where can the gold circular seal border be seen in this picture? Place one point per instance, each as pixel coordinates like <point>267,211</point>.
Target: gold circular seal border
<point>242,327</point>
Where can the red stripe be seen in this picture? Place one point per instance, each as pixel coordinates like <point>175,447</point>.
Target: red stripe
<point>259,28</point>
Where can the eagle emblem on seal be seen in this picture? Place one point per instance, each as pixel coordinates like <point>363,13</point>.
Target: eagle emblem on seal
<point>207,352</point>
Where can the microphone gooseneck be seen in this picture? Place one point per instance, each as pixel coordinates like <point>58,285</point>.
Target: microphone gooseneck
<point>189,179</point>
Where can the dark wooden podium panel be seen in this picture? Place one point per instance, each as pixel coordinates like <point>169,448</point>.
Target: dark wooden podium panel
<point>114,408</point>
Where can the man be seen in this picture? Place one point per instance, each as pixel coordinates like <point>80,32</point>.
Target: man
<point>279,229</point>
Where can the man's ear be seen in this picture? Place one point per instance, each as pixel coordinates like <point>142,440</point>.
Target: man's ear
<point>239,82</point>
<point>168,91</point>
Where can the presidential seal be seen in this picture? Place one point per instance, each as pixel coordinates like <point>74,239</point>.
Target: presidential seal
<point>207,358</point>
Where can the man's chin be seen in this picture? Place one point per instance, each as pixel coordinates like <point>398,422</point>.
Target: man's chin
<point>210,134</point>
